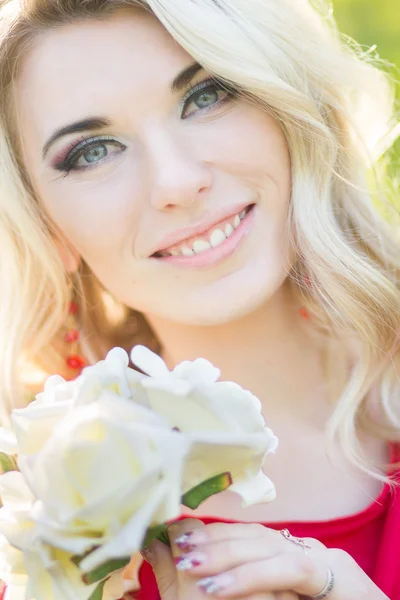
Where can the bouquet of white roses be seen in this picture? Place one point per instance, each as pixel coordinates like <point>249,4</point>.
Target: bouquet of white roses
<point>94,468</point>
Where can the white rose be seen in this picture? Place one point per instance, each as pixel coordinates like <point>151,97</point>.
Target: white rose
<point>52,574</point>
<point>31,570</point>
<point>111,469</point>
<point>111,374</point>
<point>8,441</point>
<point>35,424</point>
<point>224,423</point>
<point>16,513</point>
<point>12,570</point>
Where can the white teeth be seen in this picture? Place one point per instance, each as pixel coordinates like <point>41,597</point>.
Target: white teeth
<point>200,246</point>
<point>229,230</point>
<point>217,237</point>
<point>187,251</point>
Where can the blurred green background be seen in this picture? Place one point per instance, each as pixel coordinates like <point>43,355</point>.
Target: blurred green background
<point>372,22</point>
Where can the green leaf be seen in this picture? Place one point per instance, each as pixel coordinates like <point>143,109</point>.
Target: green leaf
<point>156,533</point>
<point>78,558</point>
<point>7,463</point>
<point>194,497</point>
<point>98,592</point>
<point>101,572</point>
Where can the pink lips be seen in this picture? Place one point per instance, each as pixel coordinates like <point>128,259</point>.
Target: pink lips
<point>215,255</point>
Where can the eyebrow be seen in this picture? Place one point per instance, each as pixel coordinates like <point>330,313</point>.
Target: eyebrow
<point>185,77</point>
<point>85,125</point>
<point>95,123</point>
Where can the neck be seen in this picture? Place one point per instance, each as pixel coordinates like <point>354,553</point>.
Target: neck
<point>273,352</point>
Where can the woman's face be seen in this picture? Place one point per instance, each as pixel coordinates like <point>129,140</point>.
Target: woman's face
<point>176,196</point>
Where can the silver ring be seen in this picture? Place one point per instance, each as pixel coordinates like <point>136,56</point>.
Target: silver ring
<point>298,541</point>
<point>328,588</point>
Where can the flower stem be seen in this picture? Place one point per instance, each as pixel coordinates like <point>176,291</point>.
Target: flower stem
<point>156,533</point>
<point>104,570</point>
<point>98,592</point>
<point>194,497</point>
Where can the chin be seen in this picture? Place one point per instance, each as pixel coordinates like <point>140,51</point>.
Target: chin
<point>238,302</point>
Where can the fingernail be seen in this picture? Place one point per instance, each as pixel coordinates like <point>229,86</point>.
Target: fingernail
<point>214,585</point>
<point>147,554</point>
<point>187,563</point>
<point>191,539</point>
<point>184,541</point>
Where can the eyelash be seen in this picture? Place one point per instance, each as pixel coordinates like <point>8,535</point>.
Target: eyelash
<point>213,83</point>
<point>74,152</point>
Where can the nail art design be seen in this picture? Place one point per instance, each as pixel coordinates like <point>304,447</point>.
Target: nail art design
<point>183,541</point>
<point>210,585</point>
<point>186,563</point>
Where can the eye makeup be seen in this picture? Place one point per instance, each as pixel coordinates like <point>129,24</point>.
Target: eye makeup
<point>212,89</point>
<point>201,89</point>
<point>68,159</point>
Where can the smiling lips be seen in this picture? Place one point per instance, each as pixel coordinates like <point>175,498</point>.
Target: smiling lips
<point>211,238</point>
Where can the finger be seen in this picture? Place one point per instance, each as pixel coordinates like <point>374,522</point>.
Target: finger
<point>299,573</point>
<point>185,585</point>
<point>218,532</point>
<point>160,557</point>
<point>272,596</point>
<point>218,557</point>
<point>259,597</point>
<point>180,529</point>
<point>296,572</point>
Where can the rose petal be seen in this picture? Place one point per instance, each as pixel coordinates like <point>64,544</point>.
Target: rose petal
<point>117,357</point>
<point>15,592</point>
<point>114,587</point>
<point>129,539</point>
<point>8,441</point>
<point>148,361</point>
<point>258,489</point>
<point>14,490</point>
<point>199,372</point>
<point>53,575</point>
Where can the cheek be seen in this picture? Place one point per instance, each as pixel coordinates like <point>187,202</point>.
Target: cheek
<point>99,218</point>
<point>254,145</point>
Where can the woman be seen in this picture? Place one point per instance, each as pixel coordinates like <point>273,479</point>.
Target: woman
<point>191,175</point>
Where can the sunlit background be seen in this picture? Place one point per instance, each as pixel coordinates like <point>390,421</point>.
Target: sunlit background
<point>375,22</point>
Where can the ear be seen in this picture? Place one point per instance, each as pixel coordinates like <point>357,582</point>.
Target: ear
<point>69,255</point>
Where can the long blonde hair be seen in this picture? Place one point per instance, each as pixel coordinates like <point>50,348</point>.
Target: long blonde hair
<point>334,106</point>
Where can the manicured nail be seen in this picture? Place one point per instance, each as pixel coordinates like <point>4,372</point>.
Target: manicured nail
<point>187,563</point>
<point>183,541</point>
<point>214,585</point>
<point>188,541</point>
<point>147,554</point>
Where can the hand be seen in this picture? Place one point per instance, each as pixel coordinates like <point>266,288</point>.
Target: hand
<point>177,585</point>
<point>252,561</point>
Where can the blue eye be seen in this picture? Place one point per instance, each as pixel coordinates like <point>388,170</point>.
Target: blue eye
<point>88,153</point>
<point>95,153</point>
<point>207,94</point>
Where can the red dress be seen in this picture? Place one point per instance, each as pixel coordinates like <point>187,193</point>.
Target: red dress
<point>371,537</point>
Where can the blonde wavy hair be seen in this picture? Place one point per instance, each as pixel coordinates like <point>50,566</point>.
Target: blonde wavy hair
<point>335,108</point>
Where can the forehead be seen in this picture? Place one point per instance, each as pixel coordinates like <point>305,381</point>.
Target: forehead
<point>73,69</point>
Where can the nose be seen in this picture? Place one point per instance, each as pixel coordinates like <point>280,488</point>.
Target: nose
<point>177,177</point>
